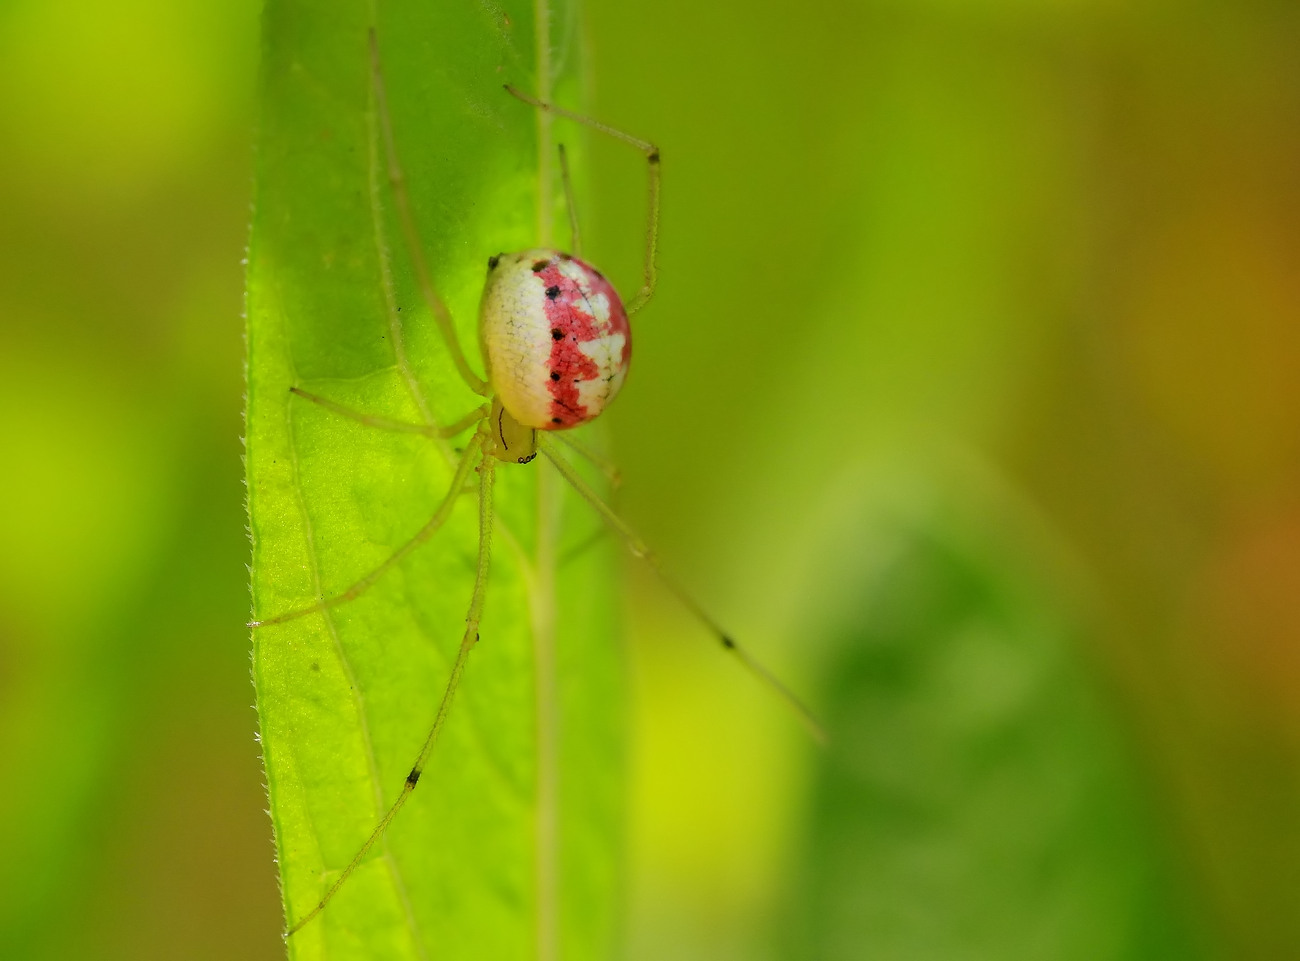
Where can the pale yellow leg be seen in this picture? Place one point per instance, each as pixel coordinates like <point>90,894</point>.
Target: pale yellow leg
<point>650,275</point>
<point>423,534</point>
<point>441,315</point>
<point>487,473</point>
<point>638,548</point>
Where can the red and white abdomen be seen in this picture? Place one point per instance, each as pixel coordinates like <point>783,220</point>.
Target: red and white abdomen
<point>555,338</point>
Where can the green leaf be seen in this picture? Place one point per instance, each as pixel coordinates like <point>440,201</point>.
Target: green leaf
<point>346,697</point>
<point>981,799</point>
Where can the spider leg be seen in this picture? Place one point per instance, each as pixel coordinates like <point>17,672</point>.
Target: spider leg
<point>487,470</point>
<point>388,423</point>
<point>650,274</point>
<point>402,199</point>
<point>431,527</point>
<point>639,549</point>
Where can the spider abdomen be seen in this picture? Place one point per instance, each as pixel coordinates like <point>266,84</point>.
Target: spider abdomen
<point>555,338</point>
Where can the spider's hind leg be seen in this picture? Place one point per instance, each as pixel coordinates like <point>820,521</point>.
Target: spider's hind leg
<point>457,487</point>
<point>650,274</point>
<point>638,547</point>
<point>388,423</point>
<point>405,217</point>
<point>469,639</point>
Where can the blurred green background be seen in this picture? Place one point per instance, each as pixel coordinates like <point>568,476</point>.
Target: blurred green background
<point>970,399</point>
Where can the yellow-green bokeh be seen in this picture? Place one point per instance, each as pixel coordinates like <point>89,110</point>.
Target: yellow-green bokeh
<point>1031,263</point>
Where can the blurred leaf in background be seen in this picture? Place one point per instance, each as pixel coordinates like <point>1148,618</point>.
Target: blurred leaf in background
<point>130,815</point>
<point>982,798</point>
